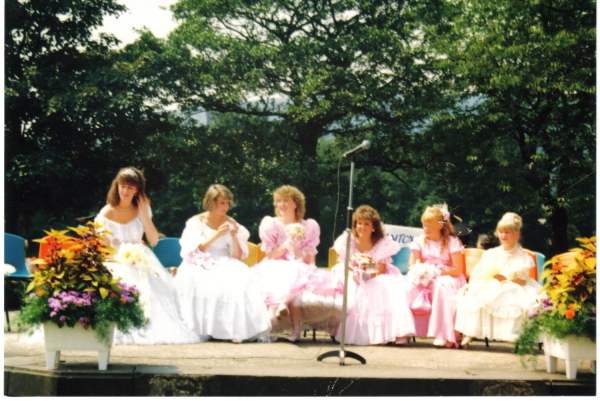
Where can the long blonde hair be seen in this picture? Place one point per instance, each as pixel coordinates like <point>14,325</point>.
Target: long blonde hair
<point>434,214</point>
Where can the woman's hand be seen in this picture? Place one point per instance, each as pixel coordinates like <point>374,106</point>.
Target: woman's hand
<point>143,204</point>
<point>223,229</point>
<point>500,277</point>
<point>233,228</point>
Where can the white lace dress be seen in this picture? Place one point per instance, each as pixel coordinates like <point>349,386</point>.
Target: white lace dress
<point>157,291</point>
<point>215,292</point>
<point>495,309</point>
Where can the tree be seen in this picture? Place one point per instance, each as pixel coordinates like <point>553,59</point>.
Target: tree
<point>75,111</point>
<point>320,66</point>
<point>530,66</point>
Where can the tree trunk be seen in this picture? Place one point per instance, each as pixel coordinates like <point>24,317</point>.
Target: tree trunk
<point>308,137</point>
<point>559,221</point>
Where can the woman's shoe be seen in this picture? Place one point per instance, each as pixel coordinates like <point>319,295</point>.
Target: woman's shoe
<point>292,339</point>
<point>401,341</point>
<point>466,341</point>
<point>439,342</point>
<point>237,341</point>
<point>282,312</point>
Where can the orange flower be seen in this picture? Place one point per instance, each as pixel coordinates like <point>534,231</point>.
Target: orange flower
<point>570,314</point>
<point>572,307</point>
<point>123,300</point>
<point>113,295</point>
<point>40,291</point>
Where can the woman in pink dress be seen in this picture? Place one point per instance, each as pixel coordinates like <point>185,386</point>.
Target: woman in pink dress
<point>441,248</point>
<point>291,284</point>
<point>378,311</point>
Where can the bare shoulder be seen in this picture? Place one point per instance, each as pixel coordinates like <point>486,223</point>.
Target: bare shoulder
<point>231,220</point>
<point>201,216</point>
<point>106,211</point>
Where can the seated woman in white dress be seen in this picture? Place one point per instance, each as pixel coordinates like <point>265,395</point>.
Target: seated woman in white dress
<point>127,216</point>
<point>291,285</point>
<point>500,294</point>
<point>215,292</point>
<point>378,311</point>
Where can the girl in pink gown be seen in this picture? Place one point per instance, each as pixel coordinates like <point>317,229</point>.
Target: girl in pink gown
<point>442,248</point>
<point>291,285</point>
<point>378,311</point>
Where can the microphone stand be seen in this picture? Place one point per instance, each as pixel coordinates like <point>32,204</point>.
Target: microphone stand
<point>342,352</point>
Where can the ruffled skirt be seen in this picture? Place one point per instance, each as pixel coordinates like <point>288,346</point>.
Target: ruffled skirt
<point>316,292</point>
<point>222,302</point>
<point>378,311</point>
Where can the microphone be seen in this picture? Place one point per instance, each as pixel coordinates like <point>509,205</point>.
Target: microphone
<point>363,146</point>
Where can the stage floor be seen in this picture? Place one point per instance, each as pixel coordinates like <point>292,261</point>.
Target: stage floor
<point>284,369</point>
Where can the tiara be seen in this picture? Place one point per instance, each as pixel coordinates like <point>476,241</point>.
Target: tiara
<point>129,172</point>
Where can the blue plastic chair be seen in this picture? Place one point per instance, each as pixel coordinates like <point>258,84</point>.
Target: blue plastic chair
<point>168,252</point>
<point>540,259</point>
<point>400,260</point>
<point>14,254</point>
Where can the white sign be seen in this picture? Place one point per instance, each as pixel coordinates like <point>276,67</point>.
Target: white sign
<point>402,235</point>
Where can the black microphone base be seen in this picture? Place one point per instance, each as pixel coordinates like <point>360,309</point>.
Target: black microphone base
<point>347,354</point>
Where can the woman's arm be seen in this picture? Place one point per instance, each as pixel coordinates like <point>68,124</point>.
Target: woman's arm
<point>457,265</point>
<point>381,268</point>
<point>237,249</point>
<point>149,228</point>
<point>222,230</point>
<point>415,257</point>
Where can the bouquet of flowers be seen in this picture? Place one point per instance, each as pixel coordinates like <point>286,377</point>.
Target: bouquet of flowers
<point>72,285</point>
<point>295,232</point>
<point>568,305</point>
<point>134,255</point>
<point>362,266</point>
<point>422,274</point>
<point>200,259</point>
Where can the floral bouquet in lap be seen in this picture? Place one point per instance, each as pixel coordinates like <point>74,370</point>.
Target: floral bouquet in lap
<point>72,285</point>
<point>422,275</point>
<point>362,266</point>
<point>200,259</point>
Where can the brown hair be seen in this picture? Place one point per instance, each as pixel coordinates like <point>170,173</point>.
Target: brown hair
<point>366,212</point>
<point>130,176</point>
<point>213,192</point>
<point>287,191</point>
<point>434,214</point>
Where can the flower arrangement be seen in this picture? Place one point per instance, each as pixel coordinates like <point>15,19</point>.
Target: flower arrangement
<point>362,266</point>
<point>422,274</point>
<point>72,285</point>
<point>133,255</point>
<point>295,231</point>
<point>568,303</point>
<point>200,259</point>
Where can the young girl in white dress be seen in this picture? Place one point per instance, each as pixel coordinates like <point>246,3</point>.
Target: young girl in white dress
<point>214,286</point>
<point>500,294</point>
<point>378,311</point>
<point>291,285</point>
<point>442,248</point>
<point>128,217</point>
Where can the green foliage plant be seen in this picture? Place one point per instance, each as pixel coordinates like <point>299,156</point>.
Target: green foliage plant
<point>569,305</point>
<point>72,285</point>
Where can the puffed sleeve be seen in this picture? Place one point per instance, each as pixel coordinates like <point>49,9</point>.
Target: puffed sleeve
<point>340,246</point>
<point>100,220</point>
<point>269,235</point>
<point>384,249</point>
<point>520,267</point>
<point>193,235</point>
<point>454,245</point>
<point>311,237</point>
<point>242,236</point>
<point>417,244</point>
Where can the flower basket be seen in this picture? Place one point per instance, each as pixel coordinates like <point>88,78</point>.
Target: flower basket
<point>572,349</point>
<point>566,317</point>
<point>76,298</point>
<point>59,339</point>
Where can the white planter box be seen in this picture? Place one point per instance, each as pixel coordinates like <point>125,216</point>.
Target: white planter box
<point>75,338</point>
<point>572,349</point>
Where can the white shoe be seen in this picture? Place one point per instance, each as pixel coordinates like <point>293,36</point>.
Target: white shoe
<point>237,341</point>
<point>439,342</point>
<point>266,339</point>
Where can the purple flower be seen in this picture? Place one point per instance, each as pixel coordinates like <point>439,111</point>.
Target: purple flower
<point>52,314</point>
<point>63,318</point>
<point>534,313</point>
<point>85,322</point>
<point>130,299</point>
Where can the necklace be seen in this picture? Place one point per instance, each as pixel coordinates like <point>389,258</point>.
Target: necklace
<point>515,247</point>
<point>125,208</point>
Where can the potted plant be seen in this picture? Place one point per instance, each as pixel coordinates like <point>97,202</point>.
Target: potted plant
<point>75,297</point>
<point>566,318</point>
